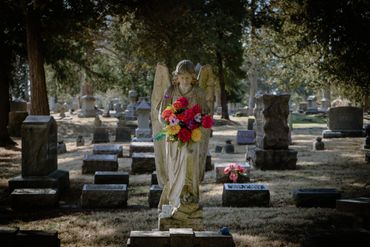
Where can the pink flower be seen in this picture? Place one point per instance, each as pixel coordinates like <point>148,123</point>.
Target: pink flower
<point>233,177</point>
<point>240,169</point>
<point>227,170</point>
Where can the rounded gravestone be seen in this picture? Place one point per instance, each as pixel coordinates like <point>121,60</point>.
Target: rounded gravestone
<point>229,147</point>
<point>318,144</point>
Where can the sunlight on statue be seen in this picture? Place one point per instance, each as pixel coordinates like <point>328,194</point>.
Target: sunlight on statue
<point>181,156</point>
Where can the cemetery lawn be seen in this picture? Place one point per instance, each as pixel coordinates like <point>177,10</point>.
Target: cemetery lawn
<point>341,166</point>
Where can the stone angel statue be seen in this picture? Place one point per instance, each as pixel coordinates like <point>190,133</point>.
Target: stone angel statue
<point>180,168</point>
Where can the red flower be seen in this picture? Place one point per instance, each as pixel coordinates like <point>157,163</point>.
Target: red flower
<point>189,115</point>
<point>177,105</point>
<point>207,121</point>
<point>184,135</point>
<point>196,109</point>
<point>166,114</point>
<point>183,101</point>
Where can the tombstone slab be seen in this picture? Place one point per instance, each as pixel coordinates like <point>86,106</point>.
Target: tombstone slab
<point>155,193</point>
<point>358,206</point>
<point>245,137</point>
<point>104,195</point>
<point>265,159</point>
<point>181,237</point>
<point>123,134</point>
<point>100,135</point>
<point>37,238</point>
<point>221,177</point>
<point>245,195</point>
<point>24,199</point>
<point>58,179</point>
<point>344,121</point>
<point>16,119</point>
<point>154,179</point>
<point>99,162</point>
<point>108,149</point>
<point>209,166</point>
<point>141,147</point>
<point>319,197</point>
<point>149,238</point>
<point>142,163</point>
<point>39,146</point>
<point>107,177</point>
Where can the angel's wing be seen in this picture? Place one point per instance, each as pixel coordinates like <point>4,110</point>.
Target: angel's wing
<point>161,83</point>
<point>207,81</point>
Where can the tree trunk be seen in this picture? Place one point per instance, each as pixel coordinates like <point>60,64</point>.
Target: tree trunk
<point>225,112</point>
<point>252,76</point>
<point>39,98</point>
<point>5,68</point>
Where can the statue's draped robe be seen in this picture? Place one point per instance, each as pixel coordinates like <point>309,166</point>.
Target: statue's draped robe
<point>185,163</point>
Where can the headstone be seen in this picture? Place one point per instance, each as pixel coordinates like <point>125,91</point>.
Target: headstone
<point>141,147</point>
<point>311,105</point>
<point>123,133</point>
<point>131,108</point>
<point>302,107</point>
<point>367,140</point>
<point>143,133</point>
<point>229,147</point>
<point>31,198</point>
<point>104,195</point>
<point>142,163</point>
<point>319,197</point>
<point>118,110</point>
<point>272,139</point>
<point>99,162</point>
<point>245,195</point>
<point>107,177</point>
<point>358,206</point>
<point>14,237</point>
<point>155,193</point>
<point>39,146</point>
<point>87,99</point>
<point>80,141</point>
<point>101,135</point>
<point>344,121</point>
<point>61,147</point>
<point>165,239</point>
<point>16,119</point>
<point>325,105</point>
<point>318,144</point>
<point>209,166</point>
<point>108,149</point>
<point>154,179</point>
<point>106,112</point>
<point>218,149</point>
<point>221,177</point>
<point>251,123</point>
<point>245,137</point>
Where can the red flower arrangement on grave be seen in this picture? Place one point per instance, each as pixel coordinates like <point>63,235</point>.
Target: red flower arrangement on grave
<point>234,171</point>
<point>183,123</point>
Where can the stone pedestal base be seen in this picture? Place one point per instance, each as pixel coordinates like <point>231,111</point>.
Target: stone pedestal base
<point>87,106</point>
<point>165,224</point>
<point>275,159</point>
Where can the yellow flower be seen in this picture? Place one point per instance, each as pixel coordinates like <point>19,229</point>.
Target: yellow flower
<point>196,134</point>
<point>173,129</point>
<point>170,107</point>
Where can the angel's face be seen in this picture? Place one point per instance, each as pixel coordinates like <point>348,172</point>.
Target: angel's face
<point>185,79</point>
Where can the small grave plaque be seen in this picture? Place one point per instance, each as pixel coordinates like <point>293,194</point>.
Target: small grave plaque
<point>245,195</point>
<point>246,137</point>
<point>104,195</point>
<point>108,149</point>
<point>320,197</point>
<point>99,162</point>
<point>358,206</point>
<point>108,177</point>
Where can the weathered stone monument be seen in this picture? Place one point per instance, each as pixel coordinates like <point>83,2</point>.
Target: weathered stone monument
<point>272,152</point>
<point>131,108</point>
<point>344,121</point>
<point>311,105</point>
<point>87,100</point>
<point>143,133</point>
<point>39,164</point>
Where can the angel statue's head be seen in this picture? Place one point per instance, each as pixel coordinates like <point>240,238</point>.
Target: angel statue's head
<point>184,68</point>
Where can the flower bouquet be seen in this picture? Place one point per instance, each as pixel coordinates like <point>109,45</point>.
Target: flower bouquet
<point>183,123</point>
<point>234,170</point>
